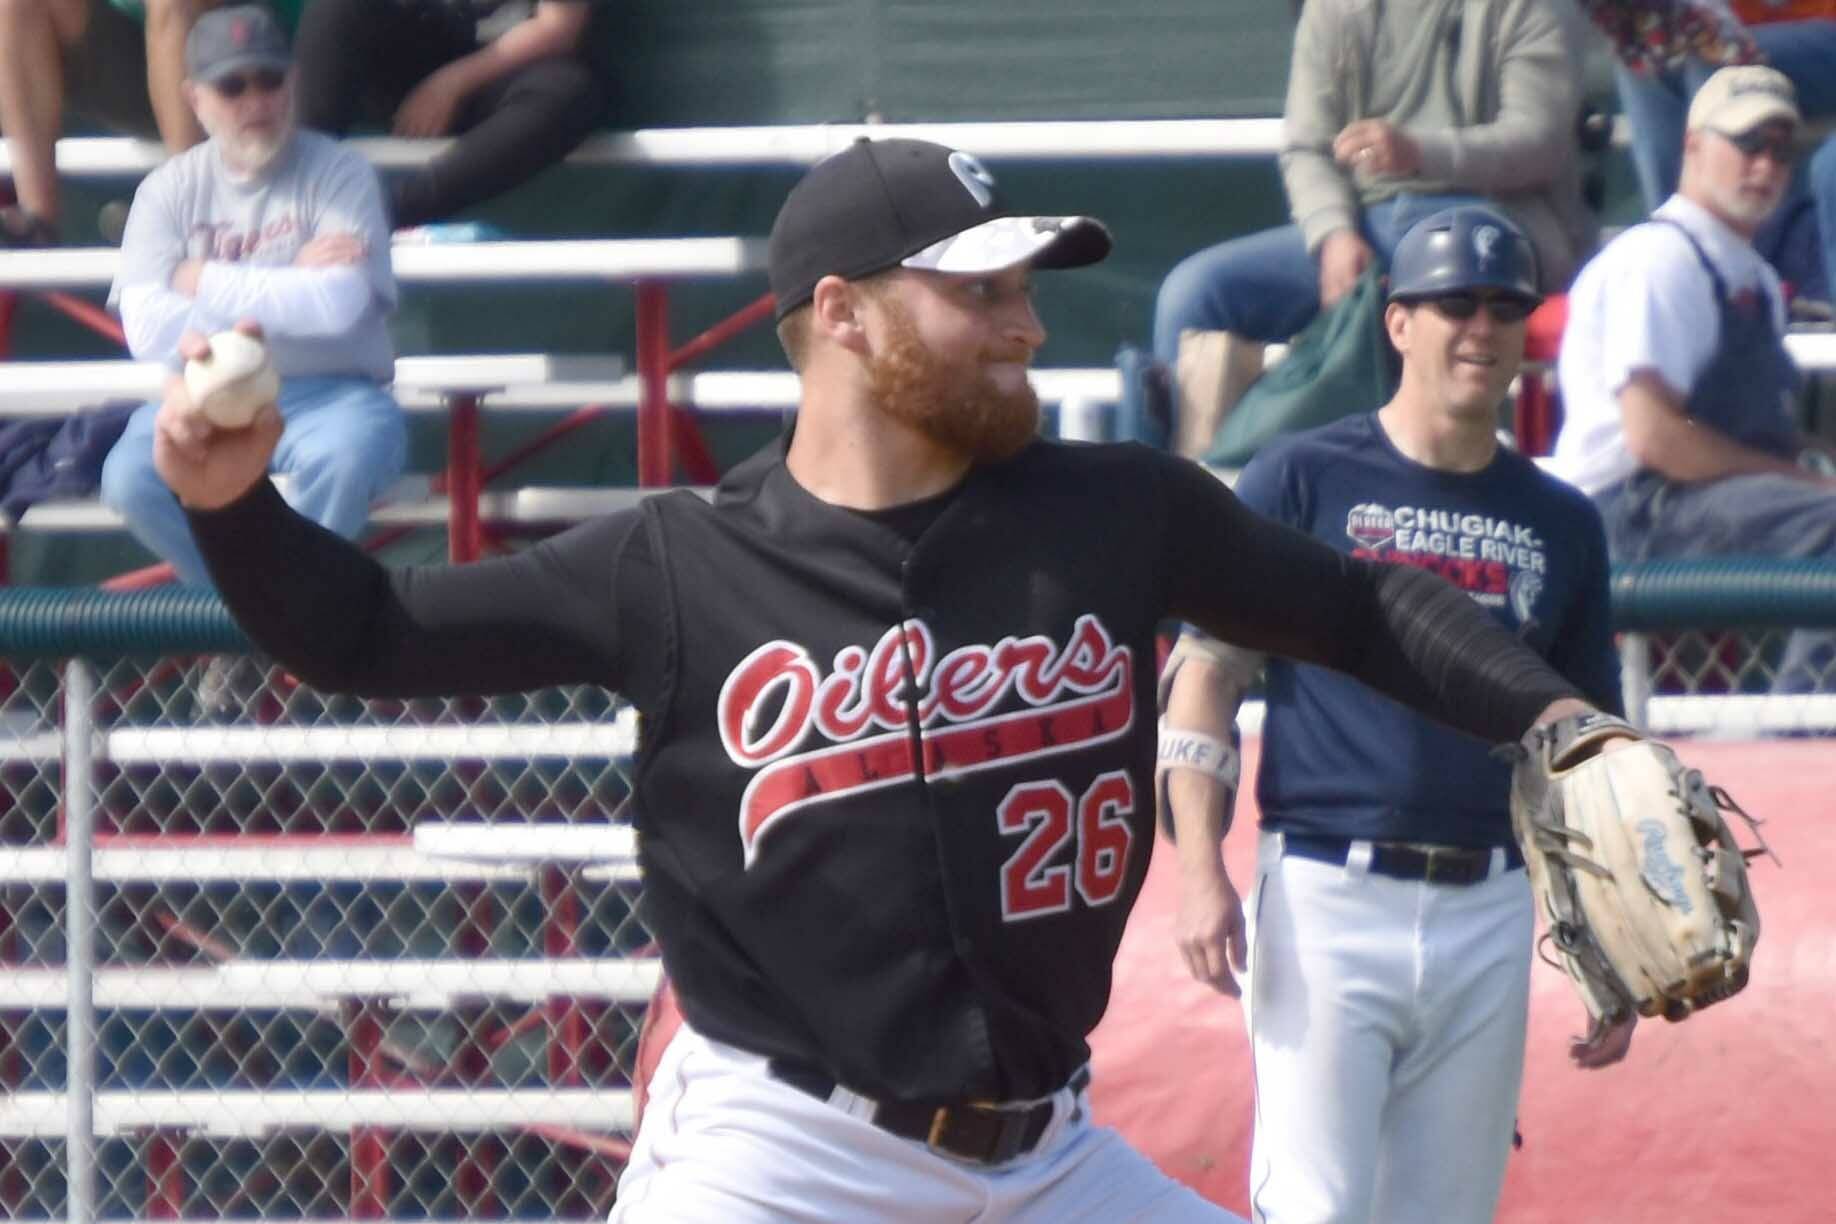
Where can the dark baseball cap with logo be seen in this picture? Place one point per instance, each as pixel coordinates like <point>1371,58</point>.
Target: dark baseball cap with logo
<point>880,204</point>
<point>227,40</point>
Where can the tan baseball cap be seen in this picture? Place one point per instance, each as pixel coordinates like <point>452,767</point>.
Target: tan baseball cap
<point>1738,99</point>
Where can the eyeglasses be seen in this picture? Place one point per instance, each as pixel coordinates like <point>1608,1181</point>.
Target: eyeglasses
<point>1505,308</point>
<point>262,80</point>
<point>1780,146</point>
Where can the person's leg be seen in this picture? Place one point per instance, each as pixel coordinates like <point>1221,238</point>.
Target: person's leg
<point>35,36</point>
<point>511,131</point>
<point>1095,1177</point>
<point>1821,177</point>
<point>1453,1102</point>
<point>356,59</point>
<point>1214,313</point>
<point>1754,516</point>
<point>168,23</point>
<point>1263,286</point>
<point>1385,223</point>
<point>344,443</point>
<point>1805,51</point>
<point>1330,973</point>
<point>722,1142</point>
<point>1655,107</point>
<point>132,488</point>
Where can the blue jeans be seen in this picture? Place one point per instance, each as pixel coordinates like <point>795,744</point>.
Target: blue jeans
<point>344,444</point>
<point>1823,195</point>
<point>1656,107</point>
<point>1265,286</point>
<point>1649,518</point>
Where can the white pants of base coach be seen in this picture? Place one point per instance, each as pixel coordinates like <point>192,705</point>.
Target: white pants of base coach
<point>1387,1025</point>
<point>722,1142</point>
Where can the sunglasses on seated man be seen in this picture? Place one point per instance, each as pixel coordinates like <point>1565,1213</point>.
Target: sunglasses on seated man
<point>262,80</point>
<point>1464,304</point>
<point>1779,143</point>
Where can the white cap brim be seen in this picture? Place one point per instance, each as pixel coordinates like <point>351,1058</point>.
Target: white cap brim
<point>1006,242</point>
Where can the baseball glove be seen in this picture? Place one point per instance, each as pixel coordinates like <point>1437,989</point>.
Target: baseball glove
<point>1635,869</point>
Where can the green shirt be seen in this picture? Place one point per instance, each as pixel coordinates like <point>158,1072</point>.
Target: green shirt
<point>287,10</point>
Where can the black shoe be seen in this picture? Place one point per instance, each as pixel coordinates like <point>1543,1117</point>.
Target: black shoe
<point>21,229</point>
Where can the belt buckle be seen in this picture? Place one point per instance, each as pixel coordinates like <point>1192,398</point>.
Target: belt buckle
<point>1455,862</point>
<point>949,1137</point>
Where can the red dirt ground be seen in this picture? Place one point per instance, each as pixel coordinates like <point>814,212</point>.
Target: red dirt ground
<point>1729,1118</point>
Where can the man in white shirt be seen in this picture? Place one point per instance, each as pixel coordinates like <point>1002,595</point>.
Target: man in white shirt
<point>263,221</point>
<point>1678,394</point>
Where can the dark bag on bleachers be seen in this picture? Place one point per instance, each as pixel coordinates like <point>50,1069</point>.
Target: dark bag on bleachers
<point>49,457</point>
<point>1340,365</point>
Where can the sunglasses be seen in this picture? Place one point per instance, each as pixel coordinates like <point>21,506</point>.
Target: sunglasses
<point>1505,308</point>
<point>262,80</point>
<point>1780,146</point>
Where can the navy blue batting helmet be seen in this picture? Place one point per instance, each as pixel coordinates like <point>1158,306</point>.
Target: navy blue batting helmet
<point>1468,247</point>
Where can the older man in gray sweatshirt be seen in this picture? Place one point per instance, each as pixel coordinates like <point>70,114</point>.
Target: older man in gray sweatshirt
<point>1396,109</point>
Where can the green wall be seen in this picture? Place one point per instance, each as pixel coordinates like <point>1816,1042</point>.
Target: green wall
<point>739,62</point>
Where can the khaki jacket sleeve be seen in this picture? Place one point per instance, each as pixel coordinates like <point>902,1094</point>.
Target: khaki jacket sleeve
<point>1521,69</point>
<point>1322,81</point>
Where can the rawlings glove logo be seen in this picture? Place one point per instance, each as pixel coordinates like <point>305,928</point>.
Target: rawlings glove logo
<point>1662,874</point>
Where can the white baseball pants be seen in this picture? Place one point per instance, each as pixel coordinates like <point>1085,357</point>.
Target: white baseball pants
<point>1387,1026</point>
<point>723,1142</point>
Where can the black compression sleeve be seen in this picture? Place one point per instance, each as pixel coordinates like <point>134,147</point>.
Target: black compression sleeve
<point>1454,662</point>
<point>560,612</point>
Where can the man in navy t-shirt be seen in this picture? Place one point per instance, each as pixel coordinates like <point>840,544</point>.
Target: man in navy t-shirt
<point>1385,965</point>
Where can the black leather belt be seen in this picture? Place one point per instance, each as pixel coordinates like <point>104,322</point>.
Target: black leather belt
<point>977,1131</point>
<point>1405,860</point>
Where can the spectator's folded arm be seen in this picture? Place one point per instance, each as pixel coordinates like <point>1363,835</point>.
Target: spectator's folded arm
<point>287,301</point>
<point>153,318</point>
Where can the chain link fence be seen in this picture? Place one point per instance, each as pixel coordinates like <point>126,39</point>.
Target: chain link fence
<point>343,959</point>
<point>364,960</point>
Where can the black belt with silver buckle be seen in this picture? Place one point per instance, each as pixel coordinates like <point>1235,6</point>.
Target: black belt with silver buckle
<point>978,1131</point>
<point>1405,860</point>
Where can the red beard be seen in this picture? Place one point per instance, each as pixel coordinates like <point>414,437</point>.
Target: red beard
<point>957,407</point>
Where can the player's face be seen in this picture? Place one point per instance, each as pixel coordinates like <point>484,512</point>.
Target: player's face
<point>1743,177</point>
<point>249,113</point>
<point>1461,352</point>
<point>951,356</point>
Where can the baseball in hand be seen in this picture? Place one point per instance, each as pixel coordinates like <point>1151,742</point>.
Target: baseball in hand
<point>233,381</point>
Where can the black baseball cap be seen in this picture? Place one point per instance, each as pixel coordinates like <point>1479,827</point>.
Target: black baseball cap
<point>226,40</point>
<point>909,203</point>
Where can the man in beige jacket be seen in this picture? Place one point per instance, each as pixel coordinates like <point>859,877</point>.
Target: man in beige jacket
<point>1395,110</point>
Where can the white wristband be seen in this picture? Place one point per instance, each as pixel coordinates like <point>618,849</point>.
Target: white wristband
<point>1195,750</point>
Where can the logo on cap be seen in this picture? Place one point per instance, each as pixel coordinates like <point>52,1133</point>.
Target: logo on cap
<point>1763,85</point>
<point>974,177</point>
<point>239,31</point>
<point>1485,242</point>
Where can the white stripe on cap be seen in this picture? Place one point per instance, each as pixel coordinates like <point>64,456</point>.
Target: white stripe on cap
<point>993,246</point>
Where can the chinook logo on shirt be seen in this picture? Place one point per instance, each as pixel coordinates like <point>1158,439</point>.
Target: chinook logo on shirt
<point>777,699</point>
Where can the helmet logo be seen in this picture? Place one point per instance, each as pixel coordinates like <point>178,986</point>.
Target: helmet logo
<point>974,177</point>
<point>1485,242</point>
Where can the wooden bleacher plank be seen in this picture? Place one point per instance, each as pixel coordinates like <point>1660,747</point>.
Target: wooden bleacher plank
<point>52,388</point>
<point>341,862</point>
<point>244,1112</point>
<point>314,984</point>
<point>776,145</point>
<point>165,746</point>
<point>594,260</point>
